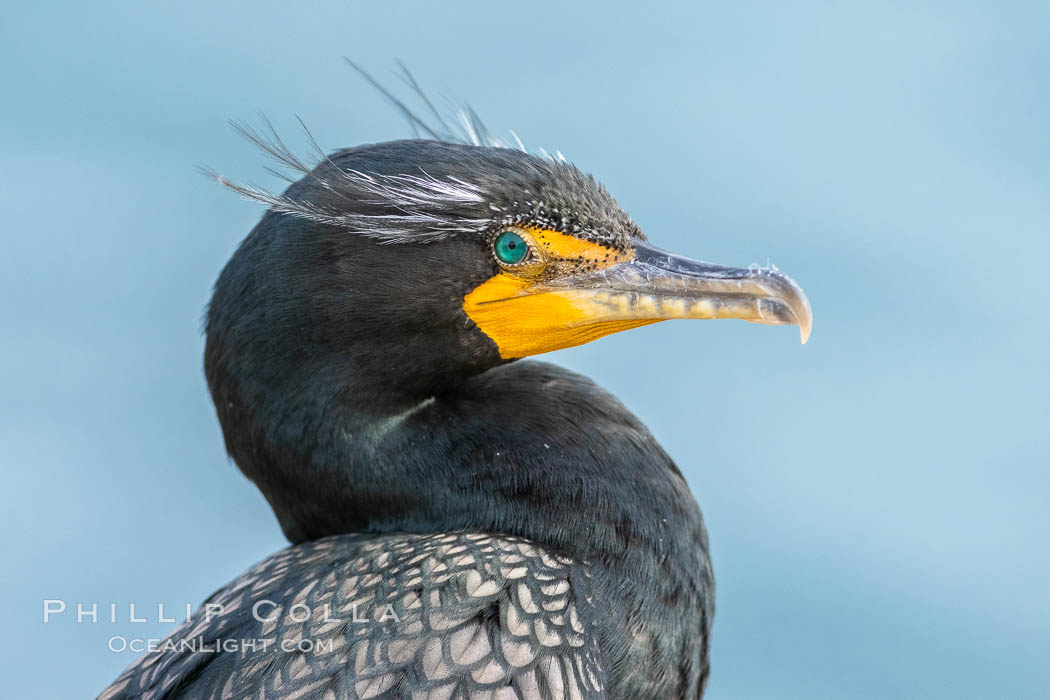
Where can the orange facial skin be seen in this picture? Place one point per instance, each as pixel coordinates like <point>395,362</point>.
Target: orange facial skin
<point>522,318</point>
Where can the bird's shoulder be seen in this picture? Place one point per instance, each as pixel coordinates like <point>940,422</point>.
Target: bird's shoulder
<point>444,616</point>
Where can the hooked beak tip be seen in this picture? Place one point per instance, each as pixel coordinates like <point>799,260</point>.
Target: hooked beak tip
<point>803,315</point>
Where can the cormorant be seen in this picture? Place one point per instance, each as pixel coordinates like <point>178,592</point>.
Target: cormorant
<point>464,523</point>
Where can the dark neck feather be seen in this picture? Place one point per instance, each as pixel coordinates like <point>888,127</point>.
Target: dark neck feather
<point>527,449</point>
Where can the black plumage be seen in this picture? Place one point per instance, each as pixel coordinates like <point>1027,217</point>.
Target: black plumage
<point>530,534</point>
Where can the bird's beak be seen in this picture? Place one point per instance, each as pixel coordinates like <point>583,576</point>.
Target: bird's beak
<point>657,285</point>
<point>652,286</point>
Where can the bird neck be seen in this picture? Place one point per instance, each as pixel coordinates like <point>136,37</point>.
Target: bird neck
<point>526,449</point>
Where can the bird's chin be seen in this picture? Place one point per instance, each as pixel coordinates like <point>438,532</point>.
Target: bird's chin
<point>523,321</point>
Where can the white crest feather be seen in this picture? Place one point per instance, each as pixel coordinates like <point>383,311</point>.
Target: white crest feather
<point>414,207</point>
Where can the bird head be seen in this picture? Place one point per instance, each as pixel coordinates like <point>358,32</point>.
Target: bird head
<point>459,257</point>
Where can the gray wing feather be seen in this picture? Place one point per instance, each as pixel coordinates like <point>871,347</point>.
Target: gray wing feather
<point>437,617</point>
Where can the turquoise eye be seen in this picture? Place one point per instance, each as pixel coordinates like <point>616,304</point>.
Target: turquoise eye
<point>510,248</point>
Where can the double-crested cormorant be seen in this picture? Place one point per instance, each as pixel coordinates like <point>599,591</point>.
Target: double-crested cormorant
<point>464,524</point>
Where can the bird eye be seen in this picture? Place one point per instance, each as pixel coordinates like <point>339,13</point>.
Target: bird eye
<point>510,248</point>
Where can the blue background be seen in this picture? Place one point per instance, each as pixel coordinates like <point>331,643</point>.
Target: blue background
<point>877,499</point>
